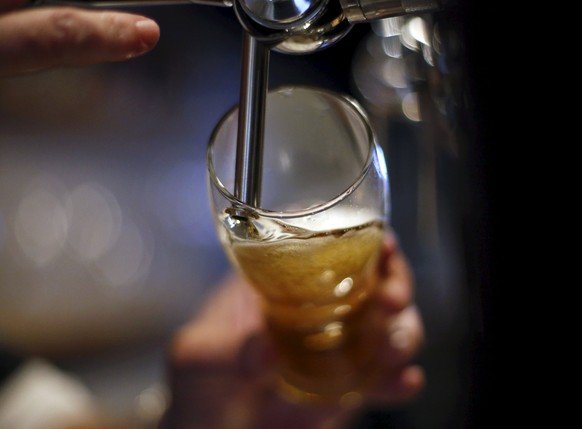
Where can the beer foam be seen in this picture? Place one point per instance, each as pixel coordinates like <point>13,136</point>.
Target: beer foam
<point>334,219</point>
<point>308,269</point>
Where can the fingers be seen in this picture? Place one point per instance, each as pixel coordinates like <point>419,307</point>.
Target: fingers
<point>400,387</point>
<point>405,337</point>
<point>396,290</point>
<point>400,380</point>
<point>404,327</point>
<point>38,39</point>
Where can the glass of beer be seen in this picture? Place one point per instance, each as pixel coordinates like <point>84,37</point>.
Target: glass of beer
<point>311,249</point>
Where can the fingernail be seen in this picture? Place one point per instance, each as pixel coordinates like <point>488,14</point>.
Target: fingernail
<point>402,332</point>
<point>149,32</point>
<point>399,338</point>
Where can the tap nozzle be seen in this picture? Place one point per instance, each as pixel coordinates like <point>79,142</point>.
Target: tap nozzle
<point>303,26</point>
<point>371,10</point>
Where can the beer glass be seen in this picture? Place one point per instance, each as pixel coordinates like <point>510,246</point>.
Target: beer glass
<point>311,249</point>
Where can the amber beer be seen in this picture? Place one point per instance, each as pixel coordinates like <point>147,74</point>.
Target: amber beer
<point>315,284</point>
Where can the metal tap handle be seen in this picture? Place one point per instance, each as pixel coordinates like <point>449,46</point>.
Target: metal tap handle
<point>371,10</point>
<point>281,14</point>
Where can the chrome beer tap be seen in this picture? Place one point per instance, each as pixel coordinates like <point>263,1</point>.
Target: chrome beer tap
<point>303,26</point>
<point>292,27</point>
<point>287,26</point>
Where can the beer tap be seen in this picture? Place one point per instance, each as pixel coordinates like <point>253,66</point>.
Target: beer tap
<point>287,26</point>
<point>292,26</point>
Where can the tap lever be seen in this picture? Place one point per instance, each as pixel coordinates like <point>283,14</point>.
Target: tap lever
<point>372,10</point>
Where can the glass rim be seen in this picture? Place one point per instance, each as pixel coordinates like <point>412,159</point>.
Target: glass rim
<point>351,103</point>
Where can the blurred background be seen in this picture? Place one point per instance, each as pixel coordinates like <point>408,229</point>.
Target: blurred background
<point>106,240</point>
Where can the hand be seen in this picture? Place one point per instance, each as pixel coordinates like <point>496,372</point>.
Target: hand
<point>41,38</point>
<point>221,363</point>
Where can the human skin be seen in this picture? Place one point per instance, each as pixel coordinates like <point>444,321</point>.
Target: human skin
<point>41,38</point>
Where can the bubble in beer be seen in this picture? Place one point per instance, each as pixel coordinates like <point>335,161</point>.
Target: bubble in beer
<point>344,287</point>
